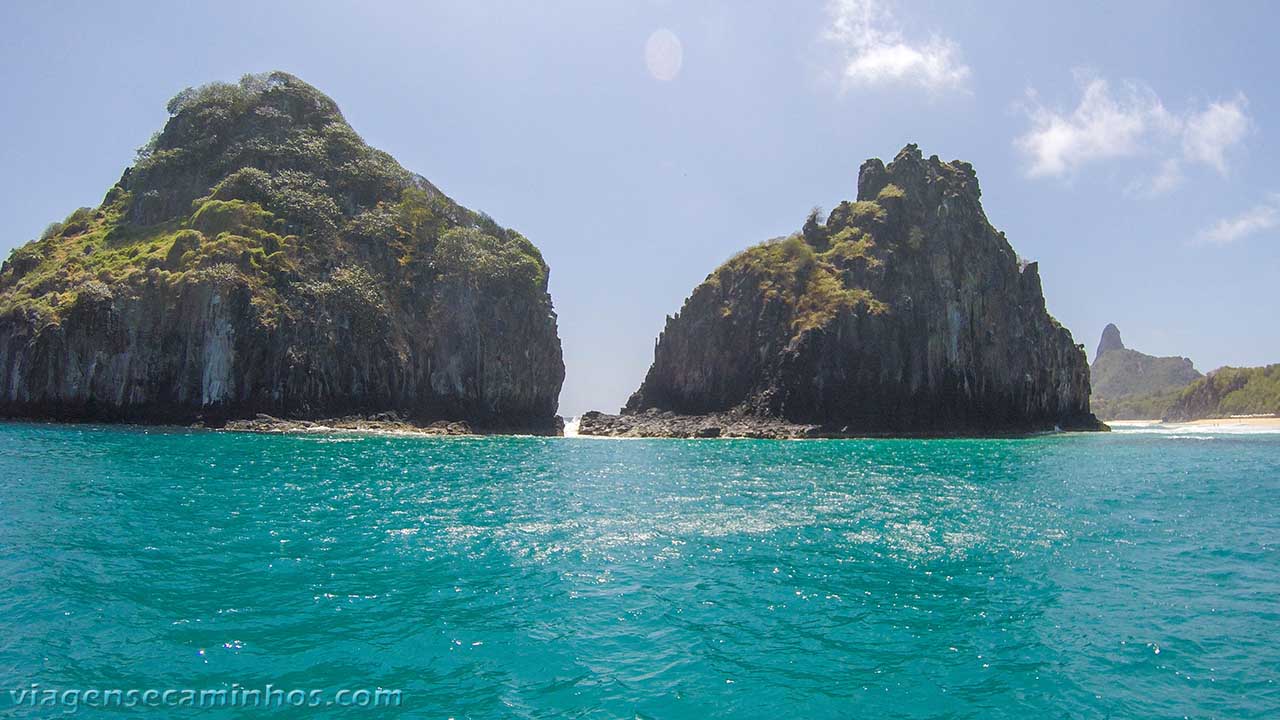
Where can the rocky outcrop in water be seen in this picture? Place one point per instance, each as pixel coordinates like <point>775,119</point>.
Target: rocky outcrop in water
<point>903,312</point>
<point>654,423</point>
<point>261,258</point>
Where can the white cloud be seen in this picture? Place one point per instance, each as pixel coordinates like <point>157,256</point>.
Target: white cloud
<point>1102,126</point>
<point>875,52</point>
<point>1166,180</point>
<point>1261,217</point>
<point>1208,134</point>
<point>1133,121</point>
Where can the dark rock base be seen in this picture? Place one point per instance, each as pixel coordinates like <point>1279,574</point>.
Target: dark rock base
<point>386,422</point>
<point>394,423</point>
<point>660,424</point>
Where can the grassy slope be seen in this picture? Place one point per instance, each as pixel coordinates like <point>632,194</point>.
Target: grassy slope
<point>1230,391</point>
<point>339,205</point>
<point>806,271</point>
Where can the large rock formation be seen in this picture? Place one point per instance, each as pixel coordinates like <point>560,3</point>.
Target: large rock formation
<point>1129,385</point>
<point>904,312</point>
<point>261,258</point>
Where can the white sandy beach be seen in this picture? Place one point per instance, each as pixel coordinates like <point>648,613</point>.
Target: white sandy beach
<point>1240,424</point>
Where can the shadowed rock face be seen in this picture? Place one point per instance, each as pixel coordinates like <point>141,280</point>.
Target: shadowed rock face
<point>905,312</point>
<point>261,258</point>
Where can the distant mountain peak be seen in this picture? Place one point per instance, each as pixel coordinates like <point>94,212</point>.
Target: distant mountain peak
<point>1110,340</point>
<point>1131,385</point>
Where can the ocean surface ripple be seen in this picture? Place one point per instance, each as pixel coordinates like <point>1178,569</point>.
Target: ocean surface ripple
<point>1122,575</point>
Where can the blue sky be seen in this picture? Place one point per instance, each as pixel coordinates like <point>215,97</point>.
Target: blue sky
<point>1128,147</point>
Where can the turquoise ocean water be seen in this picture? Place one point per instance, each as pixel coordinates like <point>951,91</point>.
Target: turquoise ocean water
<point>1123,575</point>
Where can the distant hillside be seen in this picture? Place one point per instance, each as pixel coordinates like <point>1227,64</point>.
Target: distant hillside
<point>1123,373</point>
<point>1135,407</point>
<point>1129,385</point>
<point>1229,391</point>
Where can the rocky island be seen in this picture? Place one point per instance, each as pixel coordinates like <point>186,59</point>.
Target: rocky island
<point>903,312</point>
<point>260,262</point>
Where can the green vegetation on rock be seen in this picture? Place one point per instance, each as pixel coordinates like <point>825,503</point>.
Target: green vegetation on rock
<point>328,198</point>
<point>1229,391</point>
<point>804,280</point>
<point>1149,406</point>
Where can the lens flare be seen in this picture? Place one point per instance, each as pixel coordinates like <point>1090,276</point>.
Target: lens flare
<point>663,54</point>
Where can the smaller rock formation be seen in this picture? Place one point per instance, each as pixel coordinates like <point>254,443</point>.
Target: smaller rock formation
<point>903,312</point>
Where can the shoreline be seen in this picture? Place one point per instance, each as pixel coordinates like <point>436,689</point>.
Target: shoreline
<point>1238,423</point>
<point>270,425</point>
<point>595,425</point>
<point>378,424</point>
<point>390,424</point>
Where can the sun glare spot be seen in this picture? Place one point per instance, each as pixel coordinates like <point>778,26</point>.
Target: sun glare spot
<point>663,54</point>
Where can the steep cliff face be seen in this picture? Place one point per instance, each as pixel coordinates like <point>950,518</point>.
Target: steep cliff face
<point>905,311</point>
<point>261,258</point>
<point>1130,385</point>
